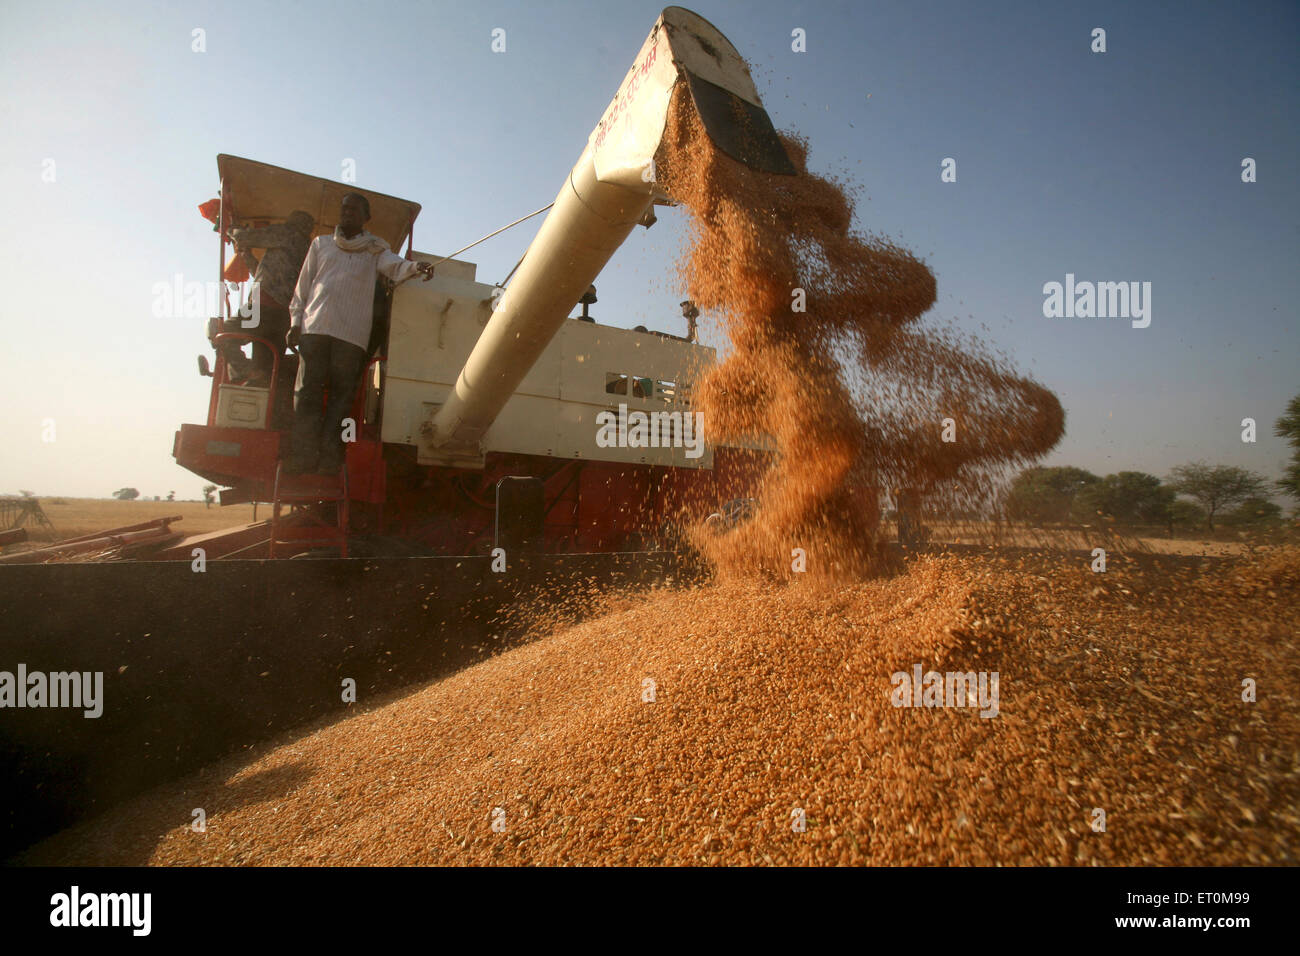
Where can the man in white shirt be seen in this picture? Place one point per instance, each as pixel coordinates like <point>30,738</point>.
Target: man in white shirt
<point>331,315</point>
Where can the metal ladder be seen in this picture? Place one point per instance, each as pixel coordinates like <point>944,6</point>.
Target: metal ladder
<point>299,490</point>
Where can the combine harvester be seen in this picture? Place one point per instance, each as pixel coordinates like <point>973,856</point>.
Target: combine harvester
<point>479,476</point>
<point>477,424</point>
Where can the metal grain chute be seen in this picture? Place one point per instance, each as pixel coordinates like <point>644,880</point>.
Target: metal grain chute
<point>609,191</point>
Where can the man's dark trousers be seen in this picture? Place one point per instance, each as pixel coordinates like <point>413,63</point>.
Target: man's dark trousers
<point>325,363</point>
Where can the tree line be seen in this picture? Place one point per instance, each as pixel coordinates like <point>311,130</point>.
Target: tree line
<point>1194,495</point>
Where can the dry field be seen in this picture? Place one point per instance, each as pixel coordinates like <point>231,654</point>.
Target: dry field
<point>79,516</point>
<point>986,532</point>
<point>1119,692</point>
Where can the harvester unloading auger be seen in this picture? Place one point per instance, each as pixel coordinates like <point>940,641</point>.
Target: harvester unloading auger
<point>611,189</point>
<point>479,416</point>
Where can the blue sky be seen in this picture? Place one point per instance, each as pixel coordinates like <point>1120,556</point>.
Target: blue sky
<point>1122,166</point>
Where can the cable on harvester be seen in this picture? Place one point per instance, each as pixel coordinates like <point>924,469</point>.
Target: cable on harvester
<point>497,232</point>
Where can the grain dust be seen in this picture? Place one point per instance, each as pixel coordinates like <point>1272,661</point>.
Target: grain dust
<point>828,361</point>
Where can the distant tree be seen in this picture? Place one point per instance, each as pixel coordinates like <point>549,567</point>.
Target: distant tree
<point>1216,487</point>
<point>1094,501</point>
<point>126,494</point>
<point>25,493</point>
<point>207,494</point>
<point>1254,513</point>
<point>171,496</point>
<point>1046,494</point>
<point>1184,514</point>
<point>1288,427</point>
<point>1128,498</point>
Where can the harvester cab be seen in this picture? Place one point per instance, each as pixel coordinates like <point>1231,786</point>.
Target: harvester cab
<point>259,195</point>
<point>470,383</point>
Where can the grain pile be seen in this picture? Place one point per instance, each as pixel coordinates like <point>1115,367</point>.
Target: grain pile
<point>1119,691</point>
<point>828,360</point>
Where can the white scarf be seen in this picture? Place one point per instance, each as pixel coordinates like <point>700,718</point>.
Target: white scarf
<point>362,242</point>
